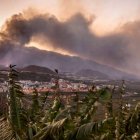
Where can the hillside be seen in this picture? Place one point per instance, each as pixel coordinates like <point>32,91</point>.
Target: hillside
<point>31,72</point>
<point>64,63</point>
<point>92,74</point>
<point>37,69</point>
<point>36,73</point>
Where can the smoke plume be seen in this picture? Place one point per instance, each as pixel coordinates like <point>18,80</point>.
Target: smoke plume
<point>118,49</point>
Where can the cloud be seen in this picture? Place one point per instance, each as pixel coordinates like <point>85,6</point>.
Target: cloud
<point>74,35</point>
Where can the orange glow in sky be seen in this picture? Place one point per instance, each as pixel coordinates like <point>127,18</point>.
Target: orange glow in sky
<point>50,48</point>
<point>109,13</point>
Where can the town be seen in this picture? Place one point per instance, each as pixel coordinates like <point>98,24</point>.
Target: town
<point>64,86</point>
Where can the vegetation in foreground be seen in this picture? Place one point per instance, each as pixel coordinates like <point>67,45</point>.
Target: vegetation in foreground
<point>73,120</point>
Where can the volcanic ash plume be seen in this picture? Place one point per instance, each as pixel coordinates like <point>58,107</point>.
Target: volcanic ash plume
<point>73,35</point>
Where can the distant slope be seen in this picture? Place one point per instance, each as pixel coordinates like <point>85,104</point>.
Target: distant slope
<point>37,69</point>
<point>32,56</point>
<point>92,74</point>
<point>31,72</point>
<point>36,73</point>
<point>2,67</point>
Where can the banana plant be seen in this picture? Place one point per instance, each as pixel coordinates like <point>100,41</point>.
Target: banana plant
<point>73,121</point>
<point>17,114</point>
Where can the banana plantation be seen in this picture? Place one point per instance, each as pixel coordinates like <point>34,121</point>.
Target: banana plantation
<point>96,116</point>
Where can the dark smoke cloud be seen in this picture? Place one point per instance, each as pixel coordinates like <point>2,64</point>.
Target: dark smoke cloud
<point>73,35</point>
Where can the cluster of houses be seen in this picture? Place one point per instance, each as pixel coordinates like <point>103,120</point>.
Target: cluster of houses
<point>28,86</point>
<point>64,85</point>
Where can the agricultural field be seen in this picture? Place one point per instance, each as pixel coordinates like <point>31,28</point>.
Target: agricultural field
<point>107,113</point>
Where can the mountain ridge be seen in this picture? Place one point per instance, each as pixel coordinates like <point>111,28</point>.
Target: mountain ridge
<point>25,56</point>
<point>92,74</point>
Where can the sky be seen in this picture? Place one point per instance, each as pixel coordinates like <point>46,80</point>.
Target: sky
<point>106,31</point>
<point>110,14</point>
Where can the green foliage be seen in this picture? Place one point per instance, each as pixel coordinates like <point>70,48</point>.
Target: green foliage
<point>17,114</point>
<point>35,107</point>
<point>75,120</point>
<point>53,131</point>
